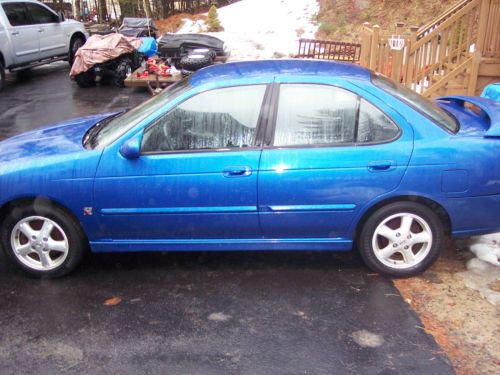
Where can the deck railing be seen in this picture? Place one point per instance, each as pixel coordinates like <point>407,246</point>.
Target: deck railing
<point>328,50</point>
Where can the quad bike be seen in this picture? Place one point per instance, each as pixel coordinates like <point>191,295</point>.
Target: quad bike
<point>110,57</point>
<point>114,71</point>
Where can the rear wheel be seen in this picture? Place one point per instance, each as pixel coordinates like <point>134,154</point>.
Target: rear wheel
<point>43,240</point>
<point>401,239</point>
<point>2,76</point>
<point>74,45</point>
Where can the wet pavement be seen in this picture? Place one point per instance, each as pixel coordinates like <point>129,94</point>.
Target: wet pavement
<point>196,313</point>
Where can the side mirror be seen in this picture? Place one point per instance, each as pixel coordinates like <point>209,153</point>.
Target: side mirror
<point>61,17</point>
<point>131,149</point>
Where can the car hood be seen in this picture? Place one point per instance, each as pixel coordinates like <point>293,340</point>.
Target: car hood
<point>63,138</point>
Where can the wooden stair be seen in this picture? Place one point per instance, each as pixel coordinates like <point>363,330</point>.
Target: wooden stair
<point>445,56</point>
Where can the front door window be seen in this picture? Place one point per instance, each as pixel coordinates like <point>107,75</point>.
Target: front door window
<point>218,119</point>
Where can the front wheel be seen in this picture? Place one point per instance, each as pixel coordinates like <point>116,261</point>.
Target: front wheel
<point>2,76</point>
<point>43,240</point>
<point>401,239</point>
<point>123,70</point>
<point>86,79</point>
<point>74,46</point>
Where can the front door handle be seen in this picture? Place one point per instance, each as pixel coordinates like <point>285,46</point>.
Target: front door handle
<point>15,32</point>
<point>381,165</point>
<point>237,171</point>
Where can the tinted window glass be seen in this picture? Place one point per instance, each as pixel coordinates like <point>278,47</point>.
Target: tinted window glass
<point>418,102</point>
<point>223,118</point>
<point>374,125</point>
<point>16,14</point>
<point>315,115</point>
<point>41,14</point>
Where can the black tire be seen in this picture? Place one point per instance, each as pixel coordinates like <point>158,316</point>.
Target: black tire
<point>123,70</point>
<point>186,73</point>
<point>424,225</point>
<point>65,231</point>
<point>2,76</point>
<point>204,51</point>
<point>195,62</point>
<point>75,43</point>
<point>86,79</point>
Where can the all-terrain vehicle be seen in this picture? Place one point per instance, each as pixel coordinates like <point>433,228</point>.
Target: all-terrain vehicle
<point>110,57</point>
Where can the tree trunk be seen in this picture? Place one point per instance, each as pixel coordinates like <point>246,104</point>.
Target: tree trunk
<point>103,11</point>
<point>77,10</point>
<point>114,10</point>
<point>147,9</point>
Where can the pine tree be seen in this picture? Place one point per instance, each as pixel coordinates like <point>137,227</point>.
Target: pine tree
<point>213,20</point>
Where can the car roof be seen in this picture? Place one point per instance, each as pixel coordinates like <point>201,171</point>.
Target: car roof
<point>271,68</point>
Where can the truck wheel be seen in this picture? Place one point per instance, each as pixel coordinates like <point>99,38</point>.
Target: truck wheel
<point>74,45</point>
<point>2,76</point>
<point>123,70</point>
<point>86,79</point>
<point>195,62</point>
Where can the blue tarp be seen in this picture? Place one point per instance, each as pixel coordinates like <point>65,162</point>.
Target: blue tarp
<point>492,92</point>
<point>148,46</point>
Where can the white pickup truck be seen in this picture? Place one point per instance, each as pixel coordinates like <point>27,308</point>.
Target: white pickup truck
<point>32,34</point>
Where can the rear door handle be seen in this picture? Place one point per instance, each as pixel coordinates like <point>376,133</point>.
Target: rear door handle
<point>237,171</point>
<point>381,165</point>
<point>15,32</point>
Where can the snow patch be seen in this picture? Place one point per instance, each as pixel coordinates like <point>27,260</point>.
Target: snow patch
<point>484,270</point>
<point>262,29</point>
<point>367,339</point>
<point>219,317</point>
<point>487,248</point>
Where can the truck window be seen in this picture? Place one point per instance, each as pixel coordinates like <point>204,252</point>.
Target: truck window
<point>40,14</point>
<point>17,14</point>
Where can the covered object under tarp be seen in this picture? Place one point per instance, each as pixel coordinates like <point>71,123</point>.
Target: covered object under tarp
<point>137,27</point>
<point>101,48</point>
<point>173,45</point>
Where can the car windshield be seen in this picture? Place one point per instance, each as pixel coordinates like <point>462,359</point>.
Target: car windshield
<point>416,101</point>
<point>110,129</point>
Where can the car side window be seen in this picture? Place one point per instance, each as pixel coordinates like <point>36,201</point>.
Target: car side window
<point>215,119</point>
<point>374,126</point>
<point>310,114</point>
<point>41,14</point>
<point>17,14</point>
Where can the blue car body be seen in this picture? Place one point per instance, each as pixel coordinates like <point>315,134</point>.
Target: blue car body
<point>262,197</point>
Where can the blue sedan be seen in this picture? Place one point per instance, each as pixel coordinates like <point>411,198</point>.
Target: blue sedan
<point>267,155</point>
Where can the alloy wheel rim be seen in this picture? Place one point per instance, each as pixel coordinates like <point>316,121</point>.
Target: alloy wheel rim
<point>402,241</point>
<point>39,243</point>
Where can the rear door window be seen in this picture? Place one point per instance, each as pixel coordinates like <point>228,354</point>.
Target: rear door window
<point>17,14</point>
<point>310,114</point>
<point>374,126</point>
<point>321,115</point>
<point>40,15</point>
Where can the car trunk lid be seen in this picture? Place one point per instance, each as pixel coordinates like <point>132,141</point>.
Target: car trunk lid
<point>477,116</point>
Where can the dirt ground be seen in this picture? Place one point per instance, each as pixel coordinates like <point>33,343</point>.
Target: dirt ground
<point>465,325</point>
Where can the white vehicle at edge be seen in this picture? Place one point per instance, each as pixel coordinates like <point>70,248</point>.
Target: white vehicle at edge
<point>32,34</point>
